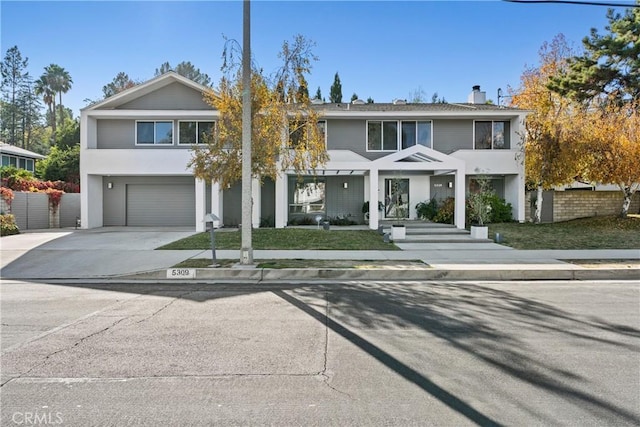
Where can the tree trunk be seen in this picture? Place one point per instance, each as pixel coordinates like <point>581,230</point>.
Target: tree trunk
<point>626,203</point>
<point>538,214</point>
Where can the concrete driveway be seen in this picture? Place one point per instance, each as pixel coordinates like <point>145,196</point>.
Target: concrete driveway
<point>89,253</point>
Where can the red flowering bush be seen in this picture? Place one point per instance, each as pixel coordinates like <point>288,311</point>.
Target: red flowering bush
<point>55,196</point>
<point>7,195</point>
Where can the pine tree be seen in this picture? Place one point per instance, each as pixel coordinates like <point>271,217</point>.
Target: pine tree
<point>318,93</point>
<point>610,64</point>
<point>335,94</point>
<point>14,76</point>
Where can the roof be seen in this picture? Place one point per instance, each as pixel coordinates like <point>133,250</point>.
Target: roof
<point>145,88</point>
<point>17,151</point>
<point>427,107</point>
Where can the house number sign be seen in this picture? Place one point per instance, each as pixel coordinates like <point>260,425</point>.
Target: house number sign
<point>181,273</point>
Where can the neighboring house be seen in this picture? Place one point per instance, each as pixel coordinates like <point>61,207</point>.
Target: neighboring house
<point>19,157</point>
<point>135,147</point>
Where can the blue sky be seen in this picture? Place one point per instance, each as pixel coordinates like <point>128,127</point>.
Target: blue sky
<point>381,49</point>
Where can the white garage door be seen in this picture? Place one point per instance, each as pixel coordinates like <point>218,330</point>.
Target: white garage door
<point>160,205</point>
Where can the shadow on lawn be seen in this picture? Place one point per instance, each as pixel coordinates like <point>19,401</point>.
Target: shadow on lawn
<point>477,320</point>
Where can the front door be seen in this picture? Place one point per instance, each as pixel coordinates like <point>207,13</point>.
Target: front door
<point>396,205</point>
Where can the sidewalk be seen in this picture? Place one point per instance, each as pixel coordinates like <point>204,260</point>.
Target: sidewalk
<point>128,254</point>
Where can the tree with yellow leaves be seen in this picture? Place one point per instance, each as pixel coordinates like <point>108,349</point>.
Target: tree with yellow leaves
<point>285,133</point>
<point>551,135</point>
<point>610,146</point>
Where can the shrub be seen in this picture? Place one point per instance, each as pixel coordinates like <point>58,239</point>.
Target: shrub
<point>446,211</point>
<point>500,210</point>
<point>342,220</point>
<point>8,225</point>
<point>427,210</point>
<point>7,195</point>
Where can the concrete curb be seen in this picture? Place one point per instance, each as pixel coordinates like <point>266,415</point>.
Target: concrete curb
<point>315,274</point>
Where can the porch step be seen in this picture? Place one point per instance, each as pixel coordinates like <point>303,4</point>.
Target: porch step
<point>450,238</point>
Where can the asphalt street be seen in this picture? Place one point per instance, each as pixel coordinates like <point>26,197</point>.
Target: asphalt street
<point>370,353</point>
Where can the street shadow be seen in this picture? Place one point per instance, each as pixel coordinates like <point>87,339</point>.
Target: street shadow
<point>481,321</point>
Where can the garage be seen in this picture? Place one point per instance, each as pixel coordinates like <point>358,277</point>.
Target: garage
<point>160,205</point>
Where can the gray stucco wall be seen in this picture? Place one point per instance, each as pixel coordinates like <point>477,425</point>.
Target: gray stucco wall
<point>452,135</point>
<point>448,136</point>
<point>174,96</point>
<point>232,205</point>
<point>342,201</point>
<point>268,202</point>
<point>121,134</point>
<point>115,199</point>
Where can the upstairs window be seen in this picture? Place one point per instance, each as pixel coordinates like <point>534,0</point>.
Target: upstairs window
<point>382,135</point>
<point>392,135</point>
<point>297,132</point>
<point>192,132</point>
<point>154,132</point>
<point>416,132</point>
<point>491,135</point>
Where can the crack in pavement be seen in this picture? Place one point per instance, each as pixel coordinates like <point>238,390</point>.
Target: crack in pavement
<point>165,306</point>
<point>326,378</point>
<point>77,343</point>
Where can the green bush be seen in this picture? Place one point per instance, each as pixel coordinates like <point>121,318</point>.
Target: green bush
<point>8,225</point>
<point>500,210</point>
<point>446,212</point>
<point>427,210</point>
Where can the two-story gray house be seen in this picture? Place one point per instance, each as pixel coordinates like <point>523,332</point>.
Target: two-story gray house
<point>135,147</point>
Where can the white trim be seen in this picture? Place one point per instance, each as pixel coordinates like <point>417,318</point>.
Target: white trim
<point>155,135</point>
<point>154,114</point>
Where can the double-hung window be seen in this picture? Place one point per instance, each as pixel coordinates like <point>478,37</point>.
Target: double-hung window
<point>393,135</point>
<point>154,132</point>
<point>491,135</point>
<point>193,132</point>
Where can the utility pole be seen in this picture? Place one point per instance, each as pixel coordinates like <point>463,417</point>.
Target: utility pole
<point>246,251</point>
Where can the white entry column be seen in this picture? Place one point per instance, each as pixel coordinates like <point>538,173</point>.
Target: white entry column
<point>216,201</point>
<point>282,216</point>
<point>459,198</point>
<point>201,197</point>
<point>374,213</point>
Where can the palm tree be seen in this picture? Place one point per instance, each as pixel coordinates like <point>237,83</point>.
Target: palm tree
<point>43,89</point>
<point>59,81</point>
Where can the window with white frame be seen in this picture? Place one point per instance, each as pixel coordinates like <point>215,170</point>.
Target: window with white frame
<point>416,132</point>
<point>491,135</point>
<point>154,132</point>
<point>392,135</point>
<point>195,132</point>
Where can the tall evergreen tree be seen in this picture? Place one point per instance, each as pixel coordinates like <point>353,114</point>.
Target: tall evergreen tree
<point>119,83</point>
<point>610,64</point>
<point>14,77</point>
<point>186,69</point>
<point>318,93</point>
<point>335,94</point>
<point>354,96</point>
<point>29,105</point>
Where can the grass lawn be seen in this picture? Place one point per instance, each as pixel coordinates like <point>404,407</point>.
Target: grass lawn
<point>311,263</point>
<point>587,233</point>
<point>289,238</point>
